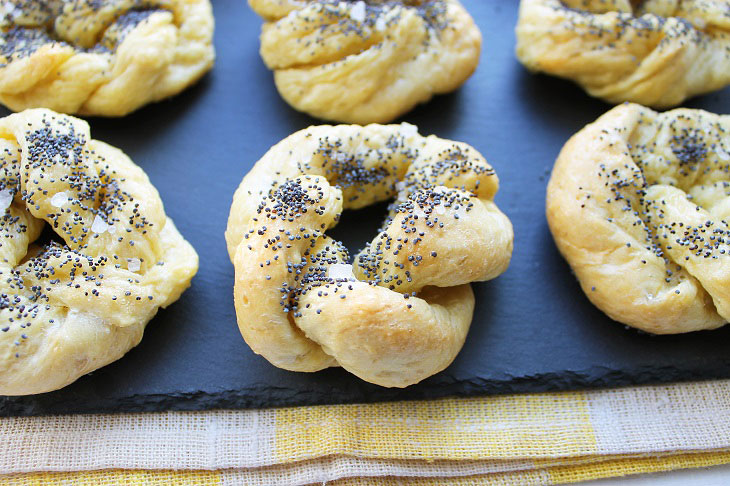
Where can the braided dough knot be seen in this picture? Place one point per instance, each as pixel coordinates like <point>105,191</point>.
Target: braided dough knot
<point>366,61</point>
<point>654,52</point>
<point>105,259</point>
<point>401,312</point>
<point>650,191</point>
<point>105,57</point>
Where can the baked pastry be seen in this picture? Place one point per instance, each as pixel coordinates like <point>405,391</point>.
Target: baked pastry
<point>638,204</point>
<point>87,255</point>
<point>101,57</point>
<point>402,311</point>
<point>654,52</point>
<point>366,62</point>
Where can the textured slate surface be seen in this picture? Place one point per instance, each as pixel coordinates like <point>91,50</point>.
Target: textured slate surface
<point>533,328</point>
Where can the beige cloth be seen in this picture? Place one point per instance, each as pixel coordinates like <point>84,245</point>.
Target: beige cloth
<point>520,439</point>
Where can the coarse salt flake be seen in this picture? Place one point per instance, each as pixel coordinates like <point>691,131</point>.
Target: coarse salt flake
<point>6,199</point>
<point>134,264</point>
<point>99,226</point>
<point>339,271</point>
<point>59,199</point>
<point>8,9</point>
<point>380,24</point>
<point>408,130</point>
<point>357,13</point>
<point>722,154</point>
<point>420,211</point>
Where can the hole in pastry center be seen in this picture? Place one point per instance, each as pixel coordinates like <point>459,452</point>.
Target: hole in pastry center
<point>357,228</point>
<point>48,237</point>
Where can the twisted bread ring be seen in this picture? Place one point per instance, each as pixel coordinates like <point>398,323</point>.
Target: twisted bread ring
<point>402,313</point>
<point>650,192</point>
<point>364,62</point>
<point>101,57</point>
<point>71,306</point>
<point>658,53</point>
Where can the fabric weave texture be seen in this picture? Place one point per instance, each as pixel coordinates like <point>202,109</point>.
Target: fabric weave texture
<point>532,439</point>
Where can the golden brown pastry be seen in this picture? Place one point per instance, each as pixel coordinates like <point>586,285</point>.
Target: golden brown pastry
<point>638,203</point>
<point>101,57</point>
<point>654,52</point>
<point>366,61</point>
<point>87,255</point>
<point>402,311</point>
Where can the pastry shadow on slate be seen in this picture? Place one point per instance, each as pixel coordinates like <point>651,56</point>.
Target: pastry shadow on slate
<point>153,120</point>
<point>556,101</point>
<point>287,118</point>
<point>535,86</point>
<point>150,123</point>
<point>84,333</point>
<point>441,111</point>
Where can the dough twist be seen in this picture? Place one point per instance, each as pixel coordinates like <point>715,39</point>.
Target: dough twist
<point>401,313</point>
<point>111,258</point>
<point>101,57</point>
<point>364,62</point>
<point>654,52</point>
<point>638,204</point>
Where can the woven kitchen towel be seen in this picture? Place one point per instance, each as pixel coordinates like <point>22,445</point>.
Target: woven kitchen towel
<point>547,438</point>
<point>304,473</point>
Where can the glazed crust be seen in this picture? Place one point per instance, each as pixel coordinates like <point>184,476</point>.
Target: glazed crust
<point>105,57</point>
<point>366,62</point>
<point>72,306</point>
<point>637,204</point>
<point>402,311</point>
<point>658,53</point>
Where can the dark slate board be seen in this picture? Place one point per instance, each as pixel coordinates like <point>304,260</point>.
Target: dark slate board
<point>533,328</point>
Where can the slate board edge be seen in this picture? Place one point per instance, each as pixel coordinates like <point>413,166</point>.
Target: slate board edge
<point>250,398</point>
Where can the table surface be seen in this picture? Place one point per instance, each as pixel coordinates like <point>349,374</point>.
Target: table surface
<point>533,329</point>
